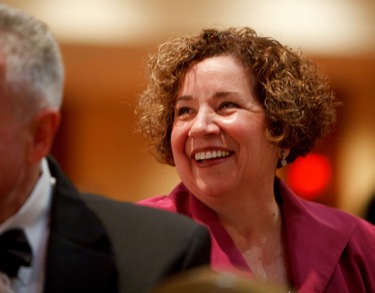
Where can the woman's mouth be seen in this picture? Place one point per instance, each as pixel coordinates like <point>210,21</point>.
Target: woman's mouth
<point>209,155</point>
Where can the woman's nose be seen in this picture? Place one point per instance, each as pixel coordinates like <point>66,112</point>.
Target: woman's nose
<point>204,123</point>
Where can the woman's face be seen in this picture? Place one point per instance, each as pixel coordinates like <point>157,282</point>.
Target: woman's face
<point>218,135</point>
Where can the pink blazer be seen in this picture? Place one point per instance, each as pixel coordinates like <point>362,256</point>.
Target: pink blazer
<point>328,250</point>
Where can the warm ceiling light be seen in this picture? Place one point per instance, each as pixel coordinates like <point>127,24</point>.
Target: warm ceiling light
<point>317,26</point>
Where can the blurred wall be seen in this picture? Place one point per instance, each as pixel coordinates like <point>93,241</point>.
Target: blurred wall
<point>353,79</point>
<point>97,145</point>
<point>99,149</point>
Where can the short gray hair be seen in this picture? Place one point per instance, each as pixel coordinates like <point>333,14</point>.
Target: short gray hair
<point>33,62</point>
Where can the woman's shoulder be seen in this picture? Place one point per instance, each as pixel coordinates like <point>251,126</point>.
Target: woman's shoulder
<point>335,215</point>
<point>314,215</point>
<point>358,230</point>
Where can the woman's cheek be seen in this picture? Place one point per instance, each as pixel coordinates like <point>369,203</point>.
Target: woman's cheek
<point>177,141</point>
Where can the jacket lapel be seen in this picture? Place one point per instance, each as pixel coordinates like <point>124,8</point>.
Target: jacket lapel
<point>315,238</point>
<point>79,253</point>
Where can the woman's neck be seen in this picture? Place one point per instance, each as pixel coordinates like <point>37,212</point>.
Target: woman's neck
<point>256,229</point>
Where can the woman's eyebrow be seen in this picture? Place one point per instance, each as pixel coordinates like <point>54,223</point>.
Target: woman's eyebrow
<point>184,98</point>
<point>218,95</point>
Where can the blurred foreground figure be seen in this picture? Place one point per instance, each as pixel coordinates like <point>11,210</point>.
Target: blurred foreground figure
<point>52,238</point>
<point>370,210</point>
<point>227,108</point>
<point>204,280</point>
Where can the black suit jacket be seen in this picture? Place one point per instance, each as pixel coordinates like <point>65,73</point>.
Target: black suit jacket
<point>100,245</point>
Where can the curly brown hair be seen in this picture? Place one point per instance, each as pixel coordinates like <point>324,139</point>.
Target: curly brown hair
<point>299,105</point>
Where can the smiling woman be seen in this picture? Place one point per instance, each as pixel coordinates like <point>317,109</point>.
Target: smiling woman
<point>227,108</point>
<point>221,114</point>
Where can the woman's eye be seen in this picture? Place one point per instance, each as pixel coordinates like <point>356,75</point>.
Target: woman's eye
<point>183,111</point>
<point>228,105</point>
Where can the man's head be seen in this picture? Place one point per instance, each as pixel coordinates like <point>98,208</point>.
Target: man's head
<point>31,87</point>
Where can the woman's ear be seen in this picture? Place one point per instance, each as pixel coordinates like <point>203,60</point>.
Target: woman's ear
<point>284,153</point>
<point>44,126</point>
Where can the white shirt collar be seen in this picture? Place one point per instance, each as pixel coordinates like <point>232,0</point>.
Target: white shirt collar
<point>36,204</point>
<point>33,218</point>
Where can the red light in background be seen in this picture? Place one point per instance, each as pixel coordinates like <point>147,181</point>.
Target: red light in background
<point>310,175</point>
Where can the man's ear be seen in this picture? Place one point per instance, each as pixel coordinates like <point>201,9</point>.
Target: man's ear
<point>44,126</point>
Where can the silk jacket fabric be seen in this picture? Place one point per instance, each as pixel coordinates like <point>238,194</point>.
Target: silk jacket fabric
<point>328,250</point>
<point>100,245</point>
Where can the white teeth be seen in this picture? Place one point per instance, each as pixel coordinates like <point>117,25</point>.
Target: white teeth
<point>211,155</point>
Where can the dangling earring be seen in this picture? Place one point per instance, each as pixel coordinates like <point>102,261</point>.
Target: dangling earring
<point>283,161</point>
